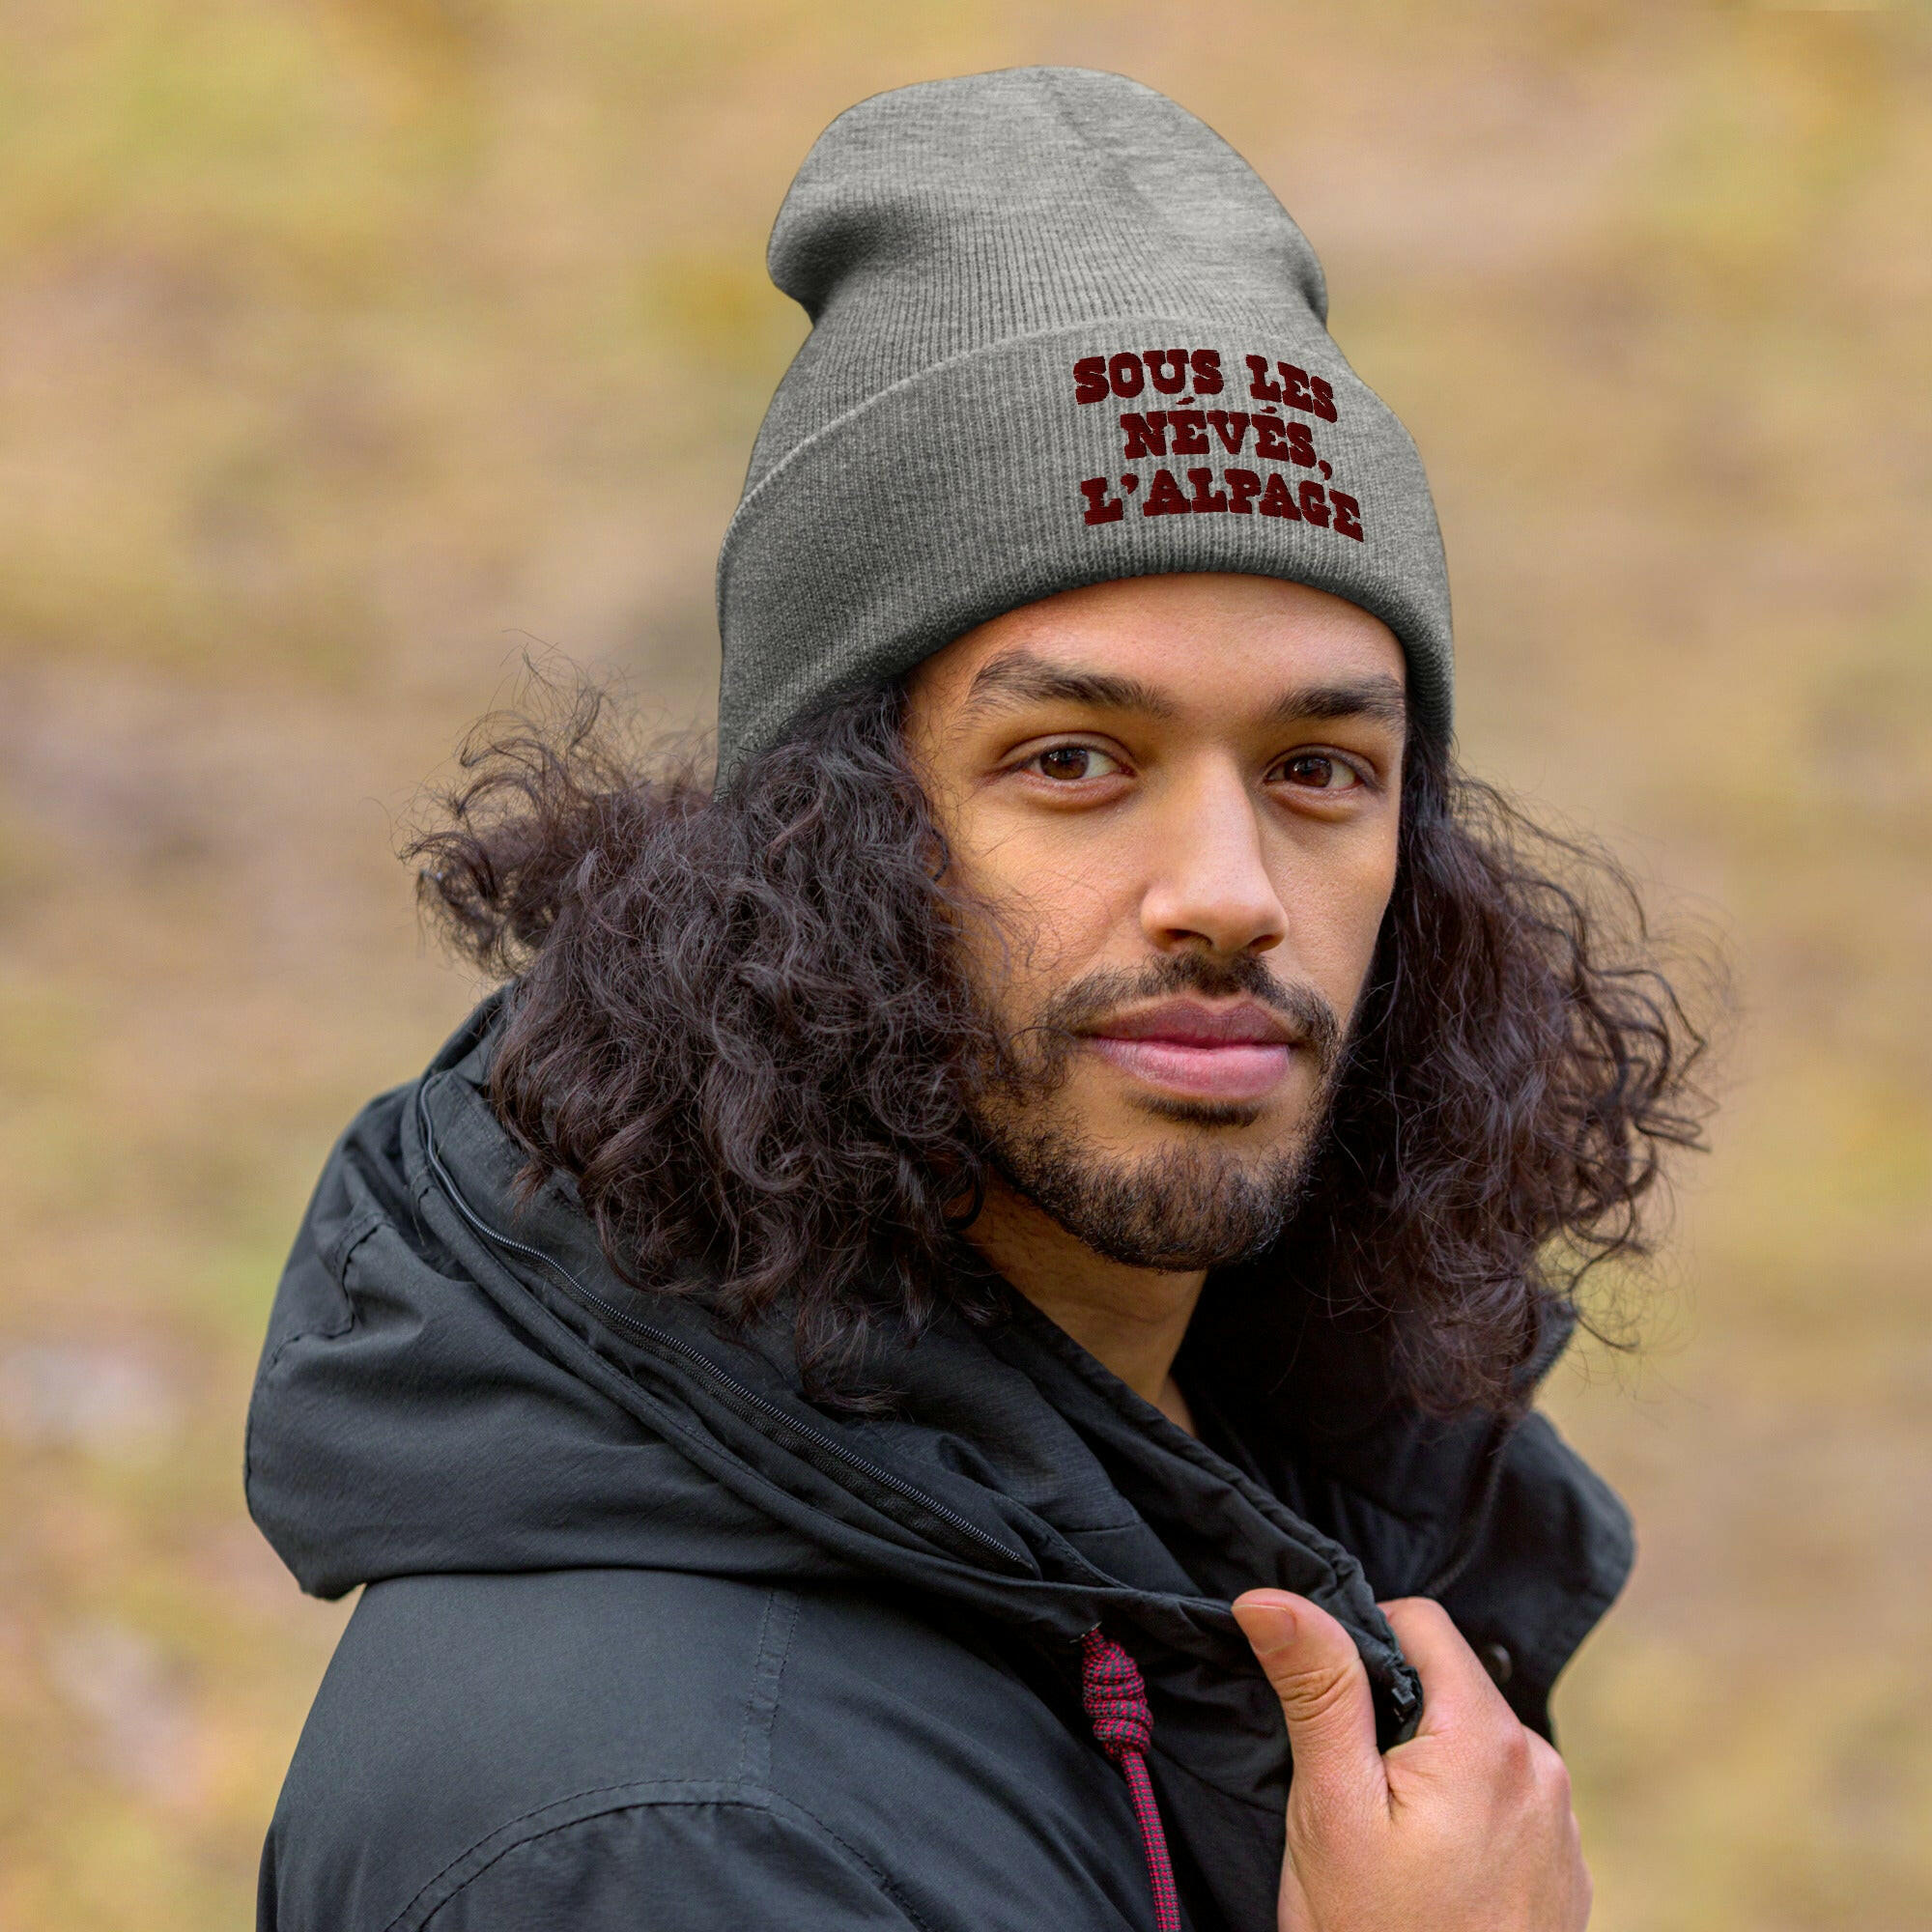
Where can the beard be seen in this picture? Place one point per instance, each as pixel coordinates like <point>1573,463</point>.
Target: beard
<point>1203,1202</point>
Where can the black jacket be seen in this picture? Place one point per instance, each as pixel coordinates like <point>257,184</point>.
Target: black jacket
<point>648,1640</point>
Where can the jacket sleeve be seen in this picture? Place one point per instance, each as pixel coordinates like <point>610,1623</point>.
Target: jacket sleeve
<point>715,1864</point>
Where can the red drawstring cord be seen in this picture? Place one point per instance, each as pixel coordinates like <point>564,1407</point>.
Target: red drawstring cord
<point>1117,1707</point>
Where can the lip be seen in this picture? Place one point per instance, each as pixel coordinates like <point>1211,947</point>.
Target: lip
<point>1222,1053</point>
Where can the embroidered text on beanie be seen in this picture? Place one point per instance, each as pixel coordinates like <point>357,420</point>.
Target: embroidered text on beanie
<point>1062,334</point>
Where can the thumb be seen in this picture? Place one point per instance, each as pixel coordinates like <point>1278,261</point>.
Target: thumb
<point>1312,1662</point>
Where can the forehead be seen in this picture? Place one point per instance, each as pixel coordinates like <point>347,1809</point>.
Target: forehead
<point>1199,640</point>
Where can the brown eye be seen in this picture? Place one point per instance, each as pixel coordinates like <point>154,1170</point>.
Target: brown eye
<point>1069,763</point>
<point>1316,771</point>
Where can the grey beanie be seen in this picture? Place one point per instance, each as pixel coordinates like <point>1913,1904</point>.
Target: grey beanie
<point>1062,334</point>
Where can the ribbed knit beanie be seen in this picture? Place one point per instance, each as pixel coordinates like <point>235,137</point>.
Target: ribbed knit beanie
<point>1062,334</point>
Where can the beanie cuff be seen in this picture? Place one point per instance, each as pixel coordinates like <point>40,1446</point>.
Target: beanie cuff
<point>1130,447</point>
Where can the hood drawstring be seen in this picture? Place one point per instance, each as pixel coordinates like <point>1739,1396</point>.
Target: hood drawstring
<point>1117,1707</point>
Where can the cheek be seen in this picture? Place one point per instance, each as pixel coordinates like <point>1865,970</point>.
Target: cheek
<point>1055,912</point>
<point>1335,918</point>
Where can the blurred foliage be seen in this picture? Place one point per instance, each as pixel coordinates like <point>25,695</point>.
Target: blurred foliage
<point>352,347</point>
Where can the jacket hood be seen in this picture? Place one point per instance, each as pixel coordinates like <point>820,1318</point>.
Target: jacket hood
<point>455,1383</point>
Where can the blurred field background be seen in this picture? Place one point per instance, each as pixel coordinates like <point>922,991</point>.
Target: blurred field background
<point>349,348</point>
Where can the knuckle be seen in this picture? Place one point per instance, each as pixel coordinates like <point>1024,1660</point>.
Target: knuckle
<point>1514,1758</point>
<point>1548,1769</point>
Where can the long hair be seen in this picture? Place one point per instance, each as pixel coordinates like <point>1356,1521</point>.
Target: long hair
<point>738,1025</point>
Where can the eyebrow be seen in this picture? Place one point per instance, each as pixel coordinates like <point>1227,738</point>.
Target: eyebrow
<point>1381,696</point>
<point>1019,677</point>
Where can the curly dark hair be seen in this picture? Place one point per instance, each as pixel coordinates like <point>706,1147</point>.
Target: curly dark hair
<point>738,1025</point>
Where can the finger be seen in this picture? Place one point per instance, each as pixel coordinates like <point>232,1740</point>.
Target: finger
<point>1456,1690</point>
<point>1312,1662</point>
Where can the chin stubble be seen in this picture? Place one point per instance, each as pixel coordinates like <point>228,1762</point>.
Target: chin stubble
<point>1182,1208</point>
<point>1192,1205</point>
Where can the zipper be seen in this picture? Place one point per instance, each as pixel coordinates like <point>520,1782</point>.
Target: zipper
<point>662,1338</point>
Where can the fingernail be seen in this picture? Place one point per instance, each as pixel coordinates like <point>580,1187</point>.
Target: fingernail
<point>1273,1610</point>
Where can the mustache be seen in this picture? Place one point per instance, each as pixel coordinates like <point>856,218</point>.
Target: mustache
<point>1075,1009</point>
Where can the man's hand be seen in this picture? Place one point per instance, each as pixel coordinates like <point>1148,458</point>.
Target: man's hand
<point>1467,1828</point>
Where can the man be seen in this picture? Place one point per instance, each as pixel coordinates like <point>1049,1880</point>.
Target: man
<point>880,1380</point>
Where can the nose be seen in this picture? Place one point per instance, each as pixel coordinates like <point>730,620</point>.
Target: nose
<point>1207,882</point>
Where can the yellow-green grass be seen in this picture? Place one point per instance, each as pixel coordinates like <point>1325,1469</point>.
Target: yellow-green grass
<point>347,351</point>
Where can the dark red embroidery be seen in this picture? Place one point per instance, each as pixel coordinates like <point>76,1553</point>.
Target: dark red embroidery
<point>1164,498</point>
<point>1263,389</point>
<point>1243,487</point>
<point>1277,500</point>
<point>1232,427</point>
<point>1090,379</point>
<point>1195,432</point>
<point>1191,431</point>
<point>1205,495</point>
<point>1100,507</point>
<point>1169,369</point>
<point>1269,439</point>
<point>1284,441</point>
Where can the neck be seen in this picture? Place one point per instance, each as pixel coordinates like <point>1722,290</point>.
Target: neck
<point>1130,1319</point>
